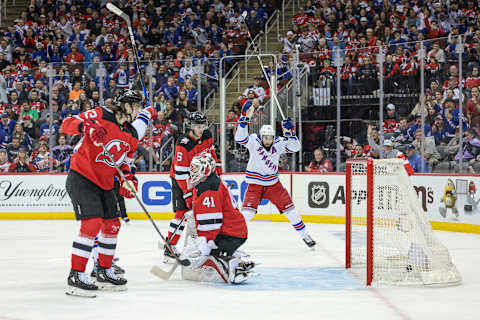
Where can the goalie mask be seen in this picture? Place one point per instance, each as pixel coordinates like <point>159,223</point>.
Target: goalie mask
<point>123,102</point>
<point>201,166</point>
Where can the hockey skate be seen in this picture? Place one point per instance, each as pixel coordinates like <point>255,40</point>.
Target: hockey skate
<point>168,256</point>
<point>107,280</point>
<point>78,284</point>
<point>118,270</point>
<point>309,242</point>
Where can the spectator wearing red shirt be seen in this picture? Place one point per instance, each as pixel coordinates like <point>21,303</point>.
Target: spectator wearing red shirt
<point>320,163</point>
<point>74,56</point>
<point>473,80</point>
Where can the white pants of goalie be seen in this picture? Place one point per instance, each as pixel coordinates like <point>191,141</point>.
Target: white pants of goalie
<point>232,270</point>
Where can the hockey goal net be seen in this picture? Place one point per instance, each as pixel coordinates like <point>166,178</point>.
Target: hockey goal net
<point>387,232</point>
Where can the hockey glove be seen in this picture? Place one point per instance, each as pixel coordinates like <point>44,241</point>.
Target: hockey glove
<point>288,128</point>
<point>152,111</point>
<point>243,121</point>
<point>218,169</point>
<point>129,186</point>
<point>287,124</point>
<point>246,107</point>
<point>188,199</point>
<point>95,131</point>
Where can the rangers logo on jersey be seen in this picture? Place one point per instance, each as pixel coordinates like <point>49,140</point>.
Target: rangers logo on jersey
<point>118,149</point>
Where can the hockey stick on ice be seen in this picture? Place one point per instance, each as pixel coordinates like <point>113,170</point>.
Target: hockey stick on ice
<point>183,262</point>
<point>159,272</point>
<point>115,10</point>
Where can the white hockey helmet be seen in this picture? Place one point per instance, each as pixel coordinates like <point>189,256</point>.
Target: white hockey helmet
<point>267,130</point>
<point>201,166</point>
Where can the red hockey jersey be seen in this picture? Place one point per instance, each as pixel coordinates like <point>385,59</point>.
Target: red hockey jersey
<point>216,211</point>
<point>185,149</point>
<point>90,160</point>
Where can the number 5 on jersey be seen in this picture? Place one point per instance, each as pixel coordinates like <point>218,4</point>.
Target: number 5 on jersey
<point>208,202</point>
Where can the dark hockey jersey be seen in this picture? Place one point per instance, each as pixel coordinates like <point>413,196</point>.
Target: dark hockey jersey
<point>185,149</point>
<point>216,211</point>
<point>90,160</point>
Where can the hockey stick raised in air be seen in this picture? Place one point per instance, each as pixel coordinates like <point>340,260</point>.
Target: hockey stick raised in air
<point>159,272</point>
<point>115,10</point>
<point>183,262</point>
<point>273,96</point>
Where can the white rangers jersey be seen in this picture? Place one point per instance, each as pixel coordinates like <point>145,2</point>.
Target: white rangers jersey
<point>262,165</point>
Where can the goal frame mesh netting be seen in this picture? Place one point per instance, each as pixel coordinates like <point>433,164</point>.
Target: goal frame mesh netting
<point>387,231</point>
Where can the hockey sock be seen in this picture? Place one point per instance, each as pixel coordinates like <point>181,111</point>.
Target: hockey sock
<point>95,249</point>
<point>107,242</point>
<point>292,215</point>
<point>83,243</point>
<point>248,214</point>
<point>174,223</point>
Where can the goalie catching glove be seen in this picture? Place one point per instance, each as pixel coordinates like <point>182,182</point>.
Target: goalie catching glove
<point>129,186</point>
<point>95,131</point>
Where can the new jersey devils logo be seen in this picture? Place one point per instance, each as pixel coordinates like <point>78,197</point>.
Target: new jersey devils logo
<point>118,149</point>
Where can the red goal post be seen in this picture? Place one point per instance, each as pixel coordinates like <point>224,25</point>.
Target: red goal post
<point>387,231</point>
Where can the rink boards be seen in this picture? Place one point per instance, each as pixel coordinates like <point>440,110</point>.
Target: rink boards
<point>317,197</point>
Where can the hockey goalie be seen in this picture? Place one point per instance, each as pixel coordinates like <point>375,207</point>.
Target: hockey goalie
<point>217,230</point>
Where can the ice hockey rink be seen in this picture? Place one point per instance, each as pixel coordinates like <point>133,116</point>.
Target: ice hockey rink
<point>293,282</point>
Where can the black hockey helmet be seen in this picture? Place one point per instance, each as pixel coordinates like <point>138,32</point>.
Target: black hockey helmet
<point>197,117</point>
<point>125,96</point>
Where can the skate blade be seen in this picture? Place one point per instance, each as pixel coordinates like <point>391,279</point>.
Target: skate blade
<point>110,287</point>
<point>77,292</point>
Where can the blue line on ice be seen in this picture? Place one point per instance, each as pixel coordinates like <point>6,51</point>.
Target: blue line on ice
<point>311,278</point>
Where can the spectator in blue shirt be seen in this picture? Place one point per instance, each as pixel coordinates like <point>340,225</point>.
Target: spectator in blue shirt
<point>415,159</point>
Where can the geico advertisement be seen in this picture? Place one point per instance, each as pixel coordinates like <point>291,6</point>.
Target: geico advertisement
<point>443,198</point>
<point>155,192</point>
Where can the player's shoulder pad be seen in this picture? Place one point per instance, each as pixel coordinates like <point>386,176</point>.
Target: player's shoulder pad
<point>185,141</point>
<point>212,183</point>
<point>206,135</point>
<point>130,129</point>
<point>106,114</point>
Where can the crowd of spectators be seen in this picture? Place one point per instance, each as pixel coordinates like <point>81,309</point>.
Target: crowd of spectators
<point>359,31</point>
<point>183,41</point>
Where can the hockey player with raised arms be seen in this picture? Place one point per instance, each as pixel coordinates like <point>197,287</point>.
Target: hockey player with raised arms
<point>262,170</point>
<point>196,140</point>
<point>220,228</point>
<point>90,185</point>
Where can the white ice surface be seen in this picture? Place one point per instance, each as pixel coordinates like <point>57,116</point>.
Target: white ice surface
<point>293,282</point>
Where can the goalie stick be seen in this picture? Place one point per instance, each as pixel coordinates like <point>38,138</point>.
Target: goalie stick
<point>159,272</point>
<point>117,11</point>
<point>183,262</point>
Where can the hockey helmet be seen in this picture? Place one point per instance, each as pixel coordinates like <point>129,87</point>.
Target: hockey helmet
<point>201,166</point>
<point>125,96</point>
<point>267,130</point>
<point>197,117</point>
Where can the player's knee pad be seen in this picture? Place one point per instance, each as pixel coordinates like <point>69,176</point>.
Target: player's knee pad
<point>111,227</point>
<point>90,227</point>
<point>292,215</point>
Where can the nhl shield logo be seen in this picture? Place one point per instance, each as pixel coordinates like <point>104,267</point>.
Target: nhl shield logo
<point>118,149</point>
<point>318,194</point>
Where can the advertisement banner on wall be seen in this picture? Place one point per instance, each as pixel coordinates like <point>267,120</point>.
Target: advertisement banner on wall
<point>451,199</point>
<point>444,198</point>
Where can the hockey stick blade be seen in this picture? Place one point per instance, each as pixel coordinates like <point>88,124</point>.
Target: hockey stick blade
<point>115,10</point>
<point>162,274</point>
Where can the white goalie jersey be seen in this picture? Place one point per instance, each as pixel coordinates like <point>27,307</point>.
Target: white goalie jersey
<point>262,165</point>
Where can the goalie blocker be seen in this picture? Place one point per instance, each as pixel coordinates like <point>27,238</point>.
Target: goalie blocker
<point>220,228</point>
